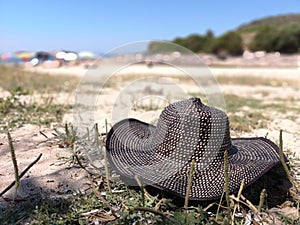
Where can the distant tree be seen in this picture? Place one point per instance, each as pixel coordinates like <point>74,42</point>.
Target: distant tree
<point>285,39</point>
<point>209,34</point>
<point>196,43</point>
<point>288,39</point>
<point>229,43</point>
<point>180,41</point>
<point>264,40</point>
<point>156,47</point>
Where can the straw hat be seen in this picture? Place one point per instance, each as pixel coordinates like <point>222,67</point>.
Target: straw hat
<point>187,130</point>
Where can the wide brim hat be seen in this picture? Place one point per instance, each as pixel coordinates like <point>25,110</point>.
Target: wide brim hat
<point>187,131</point>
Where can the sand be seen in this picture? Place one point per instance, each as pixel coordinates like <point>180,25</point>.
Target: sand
<point>283,73</point>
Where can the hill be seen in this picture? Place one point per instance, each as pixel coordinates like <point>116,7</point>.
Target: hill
<point>271,21</point>
<point>271,34</point>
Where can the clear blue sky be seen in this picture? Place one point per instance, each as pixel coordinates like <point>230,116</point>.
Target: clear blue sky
<point>102,25</point>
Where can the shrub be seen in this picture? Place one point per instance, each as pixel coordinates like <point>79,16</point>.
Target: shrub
<point>196,43</point>
<point>264,40</point>
<point>156,47</point>
<point>229,43</point>
<point>288,39</point>
<point>285,39</point>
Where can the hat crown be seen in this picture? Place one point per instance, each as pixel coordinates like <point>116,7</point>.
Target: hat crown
<point>191,129</point>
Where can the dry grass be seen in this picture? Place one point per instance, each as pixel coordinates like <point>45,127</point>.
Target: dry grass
<point>14,77</point>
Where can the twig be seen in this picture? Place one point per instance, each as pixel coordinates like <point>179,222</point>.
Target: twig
<point>219,206</point>
<point>248,203</point>
<point>67,130</point>
<point>261,200</point>
<point>237,205</point>
<point>240,190</point>
<point>14,161</point>
<point>285,167</point>
<point>88,134</point>
<point>21,174</point>
<point>190,180</point>
<point>106,163</point>
<point>139,182</point>
<point>157,206</point>
<point>226,174</point>
<point>78,160</point>
<point>209,206</point>
<point>226,186</point>
<point>188,190</point>
<point>142,189</point>
<point>42,133</point>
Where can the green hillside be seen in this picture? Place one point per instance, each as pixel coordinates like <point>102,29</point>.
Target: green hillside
<point>271,34</point>
<point>272,21</point>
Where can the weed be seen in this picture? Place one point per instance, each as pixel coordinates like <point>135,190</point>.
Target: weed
<point>14,111</point>
<point>66,138</point>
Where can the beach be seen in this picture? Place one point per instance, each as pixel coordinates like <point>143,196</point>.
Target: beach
<point>272,85</point>
<point>266,100</point>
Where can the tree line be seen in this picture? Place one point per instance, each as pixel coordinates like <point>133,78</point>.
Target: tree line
<point>283,39</point>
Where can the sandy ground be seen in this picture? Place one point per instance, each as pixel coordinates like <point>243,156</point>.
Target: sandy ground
<point>51,175</point>
<point>289,73</point>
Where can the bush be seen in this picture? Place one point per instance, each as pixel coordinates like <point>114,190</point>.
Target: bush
<point>156,47</point>
<point>196,43</point>
<point>285,39</point>
<point>229,43</point>
<point>288,40</point>
<point>264,40</point>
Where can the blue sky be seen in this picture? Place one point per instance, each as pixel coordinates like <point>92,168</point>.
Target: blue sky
<point>102,25</point>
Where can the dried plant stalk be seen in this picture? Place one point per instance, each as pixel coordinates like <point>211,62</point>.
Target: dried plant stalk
<point>226,174</point>
<point>14,160</point>
<point>21,174</point>
<point>285,167</point>
<point>190,180</point>
<point>106,164</point>
<point>237,205</point>
<point>142,189</point>
<point>261,200</point>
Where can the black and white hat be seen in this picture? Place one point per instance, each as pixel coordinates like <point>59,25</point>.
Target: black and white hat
<point>188,130</point>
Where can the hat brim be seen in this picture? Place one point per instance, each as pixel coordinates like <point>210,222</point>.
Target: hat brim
<point>130,154</point>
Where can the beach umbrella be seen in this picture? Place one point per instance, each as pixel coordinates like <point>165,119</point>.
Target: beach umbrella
<point>6,56</point>
<point>87,55</point>
<point>25,56</point>
<point>10,57</point>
